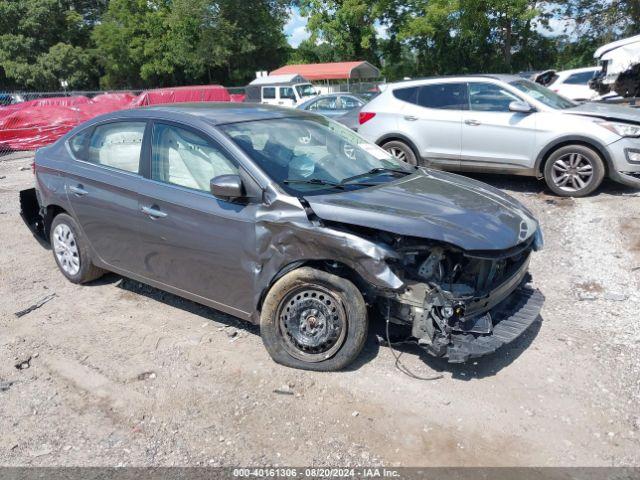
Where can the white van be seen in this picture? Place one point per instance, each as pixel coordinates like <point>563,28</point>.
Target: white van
<point>282,90</point>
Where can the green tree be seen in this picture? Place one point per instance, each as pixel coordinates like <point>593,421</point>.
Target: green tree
<point>347,26</point>
<point>606,20</point>
<point>45,41</point>
<point>147,43</point>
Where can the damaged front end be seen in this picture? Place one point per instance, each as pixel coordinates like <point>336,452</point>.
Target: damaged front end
<point>462,304</point>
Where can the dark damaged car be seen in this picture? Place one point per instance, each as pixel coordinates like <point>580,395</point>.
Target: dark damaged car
<point>289,220</point>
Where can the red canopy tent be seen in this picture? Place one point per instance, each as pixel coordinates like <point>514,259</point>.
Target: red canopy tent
<point>202,93</point>
<point>34,124</point>
<point>331,71</point>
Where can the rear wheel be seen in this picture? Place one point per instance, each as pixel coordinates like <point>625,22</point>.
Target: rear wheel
<point>574,171</point>
<point>313,320</point>
<point>401,151</point>
<point>71,251</point>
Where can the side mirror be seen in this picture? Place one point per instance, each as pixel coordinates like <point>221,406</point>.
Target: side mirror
<point>520,107</point>
<point>227,187</point>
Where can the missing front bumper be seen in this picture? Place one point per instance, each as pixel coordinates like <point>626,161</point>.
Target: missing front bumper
<point>511,318</point>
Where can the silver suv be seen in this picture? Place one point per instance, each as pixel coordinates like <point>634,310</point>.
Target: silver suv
<point>506,124</point>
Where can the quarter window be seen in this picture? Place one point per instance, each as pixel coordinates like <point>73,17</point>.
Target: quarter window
<point>488,97</point>
<point>445,96</point>
<point>269,92</point>
<point>184,158</point>
<point>407,94</point>
<point>78,144</point>
<point>117,145</point>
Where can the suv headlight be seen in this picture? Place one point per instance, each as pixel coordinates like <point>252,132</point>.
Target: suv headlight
<point>622,129</point>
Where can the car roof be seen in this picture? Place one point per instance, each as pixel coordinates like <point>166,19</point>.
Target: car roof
<point>215,113</point>
<point>578,70</point>
<point>419,81</point>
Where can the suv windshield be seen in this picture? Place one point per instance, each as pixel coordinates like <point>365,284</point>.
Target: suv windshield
<point>543,94</point>
<point>314,155</point>
<point>305,90</point>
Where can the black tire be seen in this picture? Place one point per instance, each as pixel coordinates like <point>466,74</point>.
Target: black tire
<point>87,271</point>
<point>343,298</point>
<point>585,157</point>
<point>401,151</point>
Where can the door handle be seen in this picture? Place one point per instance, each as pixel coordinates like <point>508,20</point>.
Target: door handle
<point>77,190</point>
<point>473,123</point>
<point>153,212</point>
<point>410,118</point>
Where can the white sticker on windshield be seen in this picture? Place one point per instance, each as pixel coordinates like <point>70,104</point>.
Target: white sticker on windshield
<point>374,150</point>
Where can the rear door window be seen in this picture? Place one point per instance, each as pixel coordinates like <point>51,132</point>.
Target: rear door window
<point>349,103</point>
<point>287,93</point>
<point>327,103</point>
<point>445,96</point>
<point>117,145</point>
<point>579,78</point>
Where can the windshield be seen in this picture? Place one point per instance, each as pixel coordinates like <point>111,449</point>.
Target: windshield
<point>543,94</point>
<point>305,90</point>
<point>308,156</point>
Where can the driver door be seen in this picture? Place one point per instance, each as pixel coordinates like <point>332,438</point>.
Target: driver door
<point>192,241</point>
<point>493,137</point>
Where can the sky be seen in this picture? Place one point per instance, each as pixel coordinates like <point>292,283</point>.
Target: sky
<point>296,30</point>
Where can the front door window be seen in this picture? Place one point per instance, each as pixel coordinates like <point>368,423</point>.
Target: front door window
<point>182,157</point>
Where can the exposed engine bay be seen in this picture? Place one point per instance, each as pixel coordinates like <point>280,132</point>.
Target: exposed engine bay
<point>452,294</point>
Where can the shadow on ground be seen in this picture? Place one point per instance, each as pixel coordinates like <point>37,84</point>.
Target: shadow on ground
<point>473,369</point>
<point>476,369</point>
<point>533,186</point>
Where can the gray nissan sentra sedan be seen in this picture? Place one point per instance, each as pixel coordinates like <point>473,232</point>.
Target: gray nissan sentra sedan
<point>287,219</point>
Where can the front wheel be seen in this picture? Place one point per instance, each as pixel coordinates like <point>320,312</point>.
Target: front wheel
<point>574,171</point>
<point>401,151</point>
<point>313,320</point>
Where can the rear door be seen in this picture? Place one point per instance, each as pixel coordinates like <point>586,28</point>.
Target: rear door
<point>192,241</point>
<point>432,118</point>
<point>102,187</point>
<point>493,137</point>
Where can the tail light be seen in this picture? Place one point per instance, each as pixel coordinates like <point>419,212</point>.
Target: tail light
<point>365,117</point>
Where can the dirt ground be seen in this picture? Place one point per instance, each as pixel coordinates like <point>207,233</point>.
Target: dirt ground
<point>116,373</point>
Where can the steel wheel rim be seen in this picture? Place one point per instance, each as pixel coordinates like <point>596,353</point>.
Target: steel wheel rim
<point>398,153</point>
<point>313,323</point>
<point>572,172</point>
<point>65,248</point>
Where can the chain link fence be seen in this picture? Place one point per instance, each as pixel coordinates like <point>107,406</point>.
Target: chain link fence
<point>30,120</point>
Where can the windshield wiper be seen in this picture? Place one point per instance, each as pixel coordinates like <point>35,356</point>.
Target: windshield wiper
<point>373,171</point>
<point>313,181</point>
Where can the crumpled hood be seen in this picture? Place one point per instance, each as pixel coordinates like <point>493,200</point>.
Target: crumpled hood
<point>433,205</point>
<point>603,110</point>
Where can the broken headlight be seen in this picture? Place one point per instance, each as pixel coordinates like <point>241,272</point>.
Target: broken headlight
<point>538,240</point>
